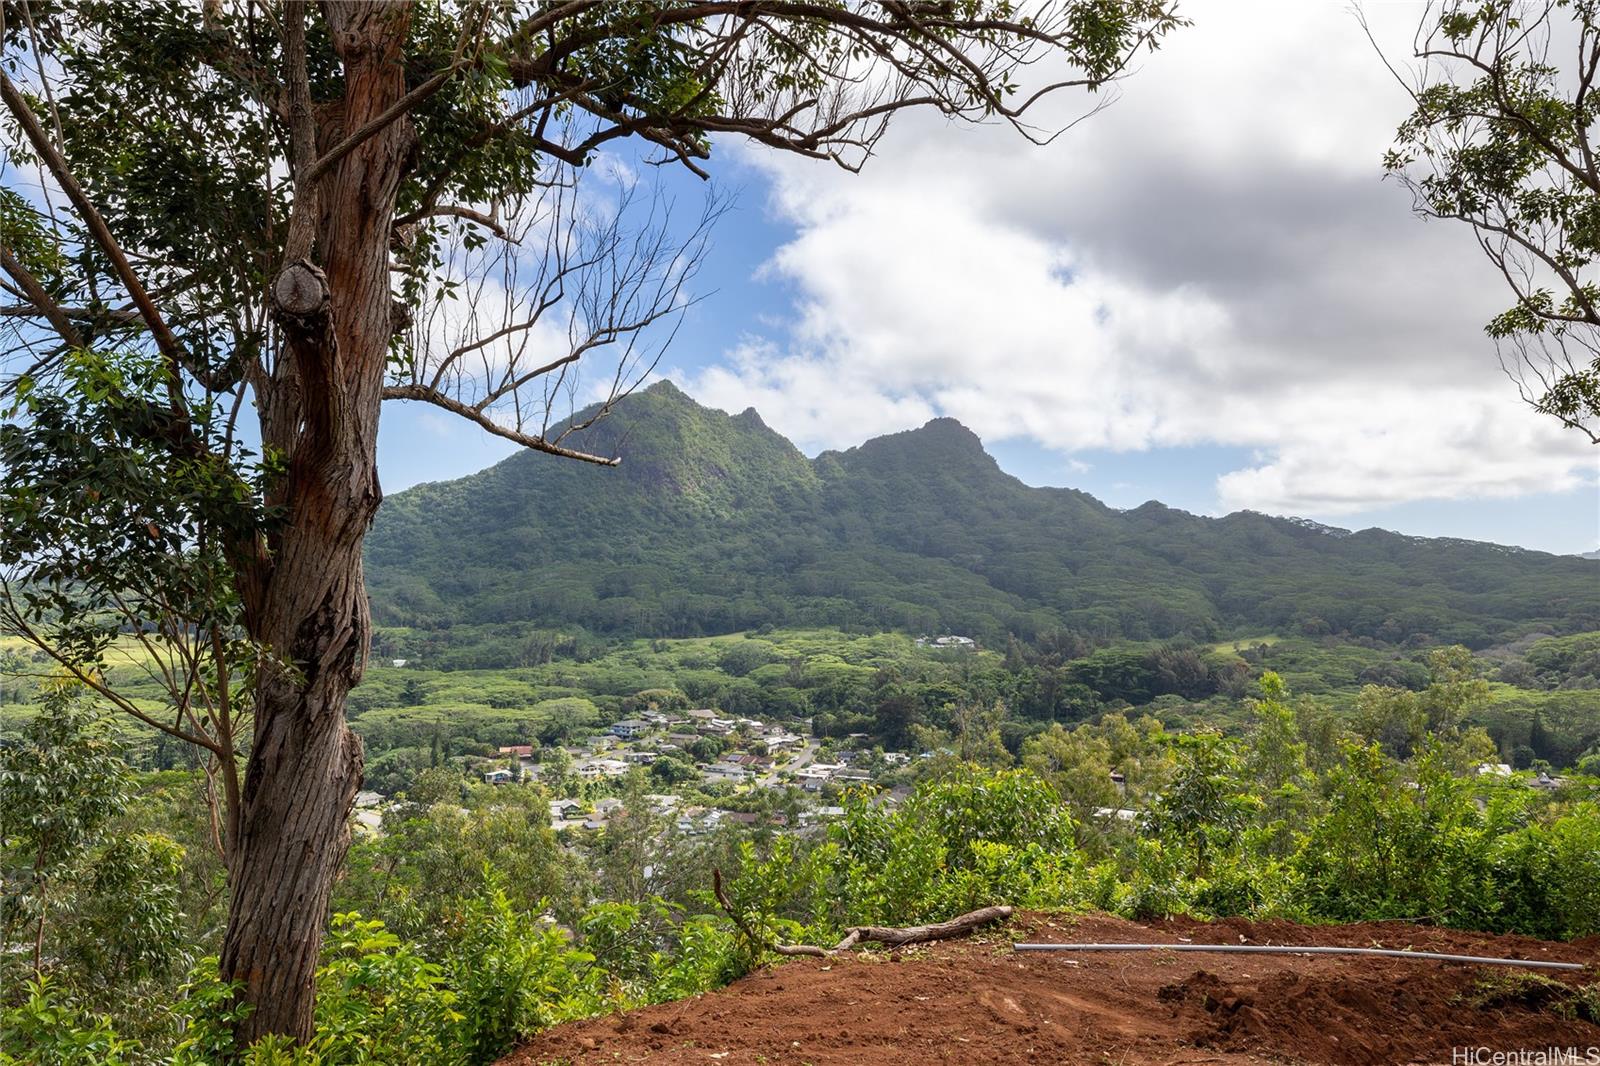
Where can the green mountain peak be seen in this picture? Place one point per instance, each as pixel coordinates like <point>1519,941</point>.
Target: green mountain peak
<point>715,523</point>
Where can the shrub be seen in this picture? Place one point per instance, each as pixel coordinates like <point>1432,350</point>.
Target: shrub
<point>48,1029</point>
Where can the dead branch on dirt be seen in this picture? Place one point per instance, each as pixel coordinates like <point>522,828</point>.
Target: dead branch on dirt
<point>893,936</point>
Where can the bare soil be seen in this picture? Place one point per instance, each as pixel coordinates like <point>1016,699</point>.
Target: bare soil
<point>977,1001</point>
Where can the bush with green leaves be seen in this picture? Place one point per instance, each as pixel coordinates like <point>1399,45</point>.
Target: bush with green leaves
<point>513,975</point>
<point>378,1001</point>
<point>1545,879</point>
<point>49,1029</point>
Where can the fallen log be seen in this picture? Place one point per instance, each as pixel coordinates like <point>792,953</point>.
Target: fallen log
<point>893,936</point>
<point>917,934</point>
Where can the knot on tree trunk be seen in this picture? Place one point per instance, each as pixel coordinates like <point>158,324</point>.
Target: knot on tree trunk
<point>399,317</point>
<point>300,293</point>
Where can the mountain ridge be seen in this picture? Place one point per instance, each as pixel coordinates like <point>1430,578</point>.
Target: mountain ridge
<point>714,522</point>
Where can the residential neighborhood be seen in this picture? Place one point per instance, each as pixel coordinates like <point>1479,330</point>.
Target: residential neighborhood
<point>708,769</point>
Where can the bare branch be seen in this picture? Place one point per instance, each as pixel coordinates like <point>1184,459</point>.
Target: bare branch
<point>538,444</point>
<point>572,277</point>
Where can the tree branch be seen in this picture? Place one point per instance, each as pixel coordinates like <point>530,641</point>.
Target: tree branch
<point>43,303</point>
<point>893,936</point>
<point>170,348</point>
<point>424,394</point>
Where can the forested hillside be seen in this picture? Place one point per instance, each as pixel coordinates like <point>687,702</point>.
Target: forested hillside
<point>715,523</point>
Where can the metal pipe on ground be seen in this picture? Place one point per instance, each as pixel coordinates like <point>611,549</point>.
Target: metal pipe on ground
<point>1289,949</point>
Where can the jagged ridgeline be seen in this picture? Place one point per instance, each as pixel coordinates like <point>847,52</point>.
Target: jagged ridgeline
<point>715,523</point>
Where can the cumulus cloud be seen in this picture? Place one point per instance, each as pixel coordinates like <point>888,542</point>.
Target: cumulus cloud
<point>1213,260</point>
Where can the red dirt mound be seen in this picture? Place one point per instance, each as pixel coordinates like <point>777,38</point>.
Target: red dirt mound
<point>977,1001</point>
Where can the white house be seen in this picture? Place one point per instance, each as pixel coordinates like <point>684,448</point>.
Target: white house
<point>726,772</point>
<point>952,641</point>
<point>629,728</point>
<point>707,721</point>
<point>813,777</point>
<point>594,768</point>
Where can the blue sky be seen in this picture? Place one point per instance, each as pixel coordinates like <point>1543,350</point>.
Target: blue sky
<point>1207,295</point>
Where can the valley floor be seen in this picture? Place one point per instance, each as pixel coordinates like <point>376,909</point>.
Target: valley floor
<point>977,1001</point>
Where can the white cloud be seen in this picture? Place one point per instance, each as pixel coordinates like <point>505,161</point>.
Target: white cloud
<point>1213,260</point>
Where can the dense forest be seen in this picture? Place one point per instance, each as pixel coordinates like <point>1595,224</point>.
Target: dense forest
<point>715,524</point>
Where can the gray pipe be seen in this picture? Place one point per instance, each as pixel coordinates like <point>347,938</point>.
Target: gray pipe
<point>1285,949</point>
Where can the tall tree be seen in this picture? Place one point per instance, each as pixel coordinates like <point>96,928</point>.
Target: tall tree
<point>1502,137</point>
<point>229,236</point>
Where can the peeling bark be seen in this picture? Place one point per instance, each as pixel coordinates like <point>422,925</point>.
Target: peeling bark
<point>311,609</point>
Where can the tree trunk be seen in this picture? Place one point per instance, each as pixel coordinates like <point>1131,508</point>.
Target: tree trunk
<point>310,610</point>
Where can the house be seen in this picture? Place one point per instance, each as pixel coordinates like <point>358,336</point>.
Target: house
<point>600,742</point>
<point>952,641</point>
<point>398,663</point>
<point>680,740</point>
<point>852,777</point>
<point>813,777</point>
<point>1494,769</point>
<point>607,807</point>
<point>499,777</point>
<point>629,728</point>
<point>1121,814</point>
<point>1546,782</point>
<point>594,768</point>
<point>896,758</point>
<point>698,820</point>
<point>639,758</point>
<point>728,772</point>
<point>707,721</point>
<point>520,751</point>
<point>565,810</point>
<point>820,814</point>
<point>780,740</point>
<point>367,798</point>
<point>661,802</point>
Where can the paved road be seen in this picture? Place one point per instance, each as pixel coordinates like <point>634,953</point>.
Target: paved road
<point>799,762</point>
